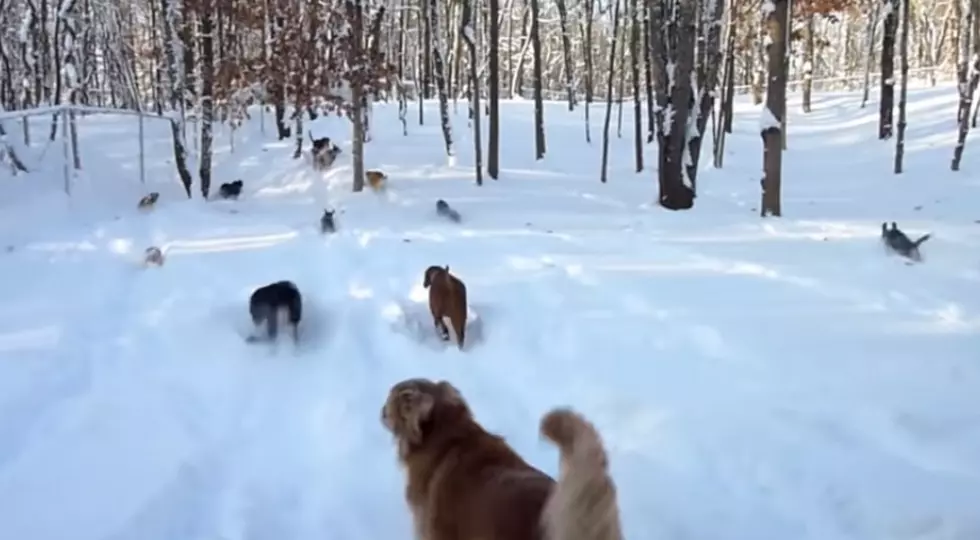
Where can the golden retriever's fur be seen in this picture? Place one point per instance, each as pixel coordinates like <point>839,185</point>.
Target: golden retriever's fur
<point>465,483</point>
<point>377,180</point>
<point>585,507</point>
<point>447,298</point>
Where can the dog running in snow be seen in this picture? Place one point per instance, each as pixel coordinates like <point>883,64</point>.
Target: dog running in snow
<point>898,242</point>
<point>324,153</point>
<point>147,202</point>
<point>230,190</point>
<point>376,180</point>
<point>268,303</point>
<point>327,224</point>
<point>446,211</point>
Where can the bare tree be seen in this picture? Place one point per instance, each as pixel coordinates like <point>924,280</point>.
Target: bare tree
<point>439,71</point>
<point>493,160</point>
<point>539,143</point>
<point>968,40</point>
<point>887,105</point>
<point>206,12</point>
<point>903,48</point>
<point>566,46</point>
<point>172,47</point>
<point>635,76</point>
<point>609,93</point>
<point>468,29</point>
<point>776,15</point>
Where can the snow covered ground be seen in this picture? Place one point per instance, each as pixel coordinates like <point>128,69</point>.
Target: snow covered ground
<point>753,379</point>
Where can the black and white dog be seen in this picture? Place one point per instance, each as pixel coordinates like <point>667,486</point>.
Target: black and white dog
<point>898,242</point>
<point>324,153</point>
<point>268,302</point>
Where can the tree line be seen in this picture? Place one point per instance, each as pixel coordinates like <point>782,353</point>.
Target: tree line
<point>679,64</point>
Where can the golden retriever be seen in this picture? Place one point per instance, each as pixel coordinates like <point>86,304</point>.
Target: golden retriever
<point>465,483</point>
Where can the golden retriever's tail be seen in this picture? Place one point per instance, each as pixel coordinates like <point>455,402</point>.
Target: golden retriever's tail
<point>583,505</point>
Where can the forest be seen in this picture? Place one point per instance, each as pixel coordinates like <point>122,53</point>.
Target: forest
<point>678,64</point>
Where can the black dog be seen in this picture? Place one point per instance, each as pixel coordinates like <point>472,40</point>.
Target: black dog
<point>267,302</point>
<point>898,242</point>
<point>326,222</point>
<point>230,190</point>
<point>444,210</point>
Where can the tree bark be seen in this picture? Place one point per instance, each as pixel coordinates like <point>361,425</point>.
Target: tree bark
<point>887,105</point>
<point>775,110</point>
<point>539,142</point>
<point>493,159</point>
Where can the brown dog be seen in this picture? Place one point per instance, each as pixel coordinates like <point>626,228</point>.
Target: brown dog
<point>376,179</point>
<point>465,483</point>
<point>447,298</point>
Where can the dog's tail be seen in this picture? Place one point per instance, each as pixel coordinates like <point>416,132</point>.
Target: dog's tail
<point>923,238</point>
<point>583,505</point>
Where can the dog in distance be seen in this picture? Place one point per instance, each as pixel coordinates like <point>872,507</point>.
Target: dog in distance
<point>324,153</point>
<point>447,299</point>
<point>444,210</point>
<point>465,483</point>
<point>376,180</point>
<point>327,224</point>
<point>230,190</point>
<point>149,201</point>
<point>269,303</point>
<point>898,242</point>
<point>153,256</point>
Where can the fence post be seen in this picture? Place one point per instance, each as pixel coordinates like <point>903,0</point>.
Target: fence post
<point>142,152</point>
<point>66,150</point>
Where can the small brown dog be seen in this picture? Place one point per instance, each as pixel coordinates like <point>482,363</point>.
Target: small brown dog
<point>147,202</point>
<point>376,179</point>
<point>465,483</point>
<point>447,298</point>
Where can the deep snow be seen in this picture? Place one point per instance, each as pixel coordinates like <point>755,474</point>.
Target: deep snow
<point>753,379</point>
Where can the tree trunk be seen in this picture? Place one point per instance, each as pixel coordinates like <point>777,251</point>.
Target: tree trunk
<point>887,105</point>
<point>872,26</point>
<point>589,68</point>
<point>970,26</point>
<point>175,73</point>
<point>903,48</point>
<point>566,46</point>
<point>468,30</point>
<point>772,153</point>
<point>355,16</point>
<point>439,72</point>
<point>493,159</point>
<point>635,72</point>
<point>539,143</point>
<point>603,175</point>
<point>809,56</point>
<point>430,14</point>
<point>648,73</point>
<point>207,92</point>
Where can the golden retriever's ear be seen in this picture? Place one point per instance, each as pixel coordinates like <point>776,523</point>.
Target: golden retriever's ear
<point>415,407</point>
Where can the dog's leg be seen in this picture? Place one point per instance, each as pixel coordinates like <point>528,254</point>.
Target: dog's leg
<point>441,328</point>
<point>460,332</point>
